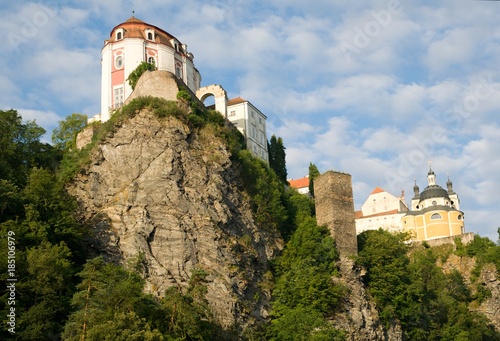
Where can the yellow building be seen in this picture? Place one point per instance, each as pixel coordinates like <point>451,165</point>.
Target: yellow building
<point>435,212</point>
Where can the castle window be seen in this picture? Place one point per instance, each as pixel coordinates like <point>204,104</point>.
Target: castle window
<point>119,62</point>
<point>459,217</point>
<point>436,216</point>
<point>434,202</point>
<point>150,36</point>
<point>151,60</point>
<point>119,97</point>
<point>119,34</point>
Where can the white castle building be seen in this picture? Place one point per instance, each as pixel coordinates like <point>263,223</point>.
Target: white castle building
<point>381,210</point>
<point>131,43</point>
<point>135,41</point>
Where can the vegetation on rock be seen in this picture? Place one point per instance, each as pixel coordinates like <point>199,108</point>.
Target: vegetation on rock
<point>62,293</point>
<point>412,290</point>
<point>134,76</point>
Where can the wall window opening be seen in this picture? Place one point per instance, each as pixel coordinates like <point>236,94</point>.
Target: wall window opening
<point>436,216</point>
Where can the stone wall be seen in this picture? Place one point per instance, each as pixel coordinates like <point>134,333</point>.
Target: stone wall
<point>85,136</point>
<point>466,239</point>
<point>335,209</point>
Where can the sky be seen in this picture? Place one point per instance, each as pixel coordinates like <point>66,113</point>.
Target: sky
<point>376,89</point>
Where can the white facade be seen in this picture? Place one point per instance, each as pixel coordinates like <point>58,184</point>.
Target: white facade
<point>381,210</point>
<point>132,43</point>
<point>301,185</point>
<point>251,123</point>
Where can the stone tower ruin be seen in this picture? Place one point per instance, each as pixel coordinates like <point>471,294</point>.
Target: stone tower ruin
<point>335,209</point>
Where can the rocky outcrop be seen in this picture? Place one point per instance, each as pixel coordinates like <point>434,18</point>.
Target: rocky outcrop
<point>162,195</point>
<point>490,307</point>
<point>358,315</point>
<point>488,279</point>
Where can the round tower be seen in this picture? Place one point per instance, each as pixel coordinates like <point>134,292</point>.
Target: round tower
<point>131,43</point>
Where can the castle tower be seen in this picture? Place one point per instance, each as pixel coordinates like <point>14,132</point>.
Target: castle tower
<point>335,209</point>
<point>131,43</point>
<point>435,212</point>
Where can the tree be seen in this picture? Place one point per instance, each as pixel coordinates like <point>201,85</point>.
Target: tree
<point>134,76</point>
<point>64,136</point>
<point>21,149</point>
<point>277,158</point>
<point>313,174</point>
<point>46,292</point>
<point>303,324</point>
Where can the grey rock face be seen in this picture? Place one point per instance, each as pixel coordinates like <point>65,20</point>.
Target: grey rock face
<point>156,189</point>
<point>358,315</point>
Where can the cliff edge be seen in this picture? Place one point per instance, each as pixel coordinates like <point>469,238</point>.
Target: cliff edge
<point>169,198</point>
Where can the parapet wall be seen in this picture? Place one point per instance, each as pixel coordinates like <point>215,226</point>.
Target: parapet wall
<point>466,239</point>
<point>335,209</point>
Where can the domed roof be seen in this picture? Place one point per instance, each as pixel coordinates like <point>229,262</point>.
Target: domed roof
<point>434,191</point>
<point>134,28</point>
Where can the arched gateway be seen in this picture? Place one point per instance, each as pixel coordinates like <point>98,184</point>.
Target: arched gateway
<point>219,94</point>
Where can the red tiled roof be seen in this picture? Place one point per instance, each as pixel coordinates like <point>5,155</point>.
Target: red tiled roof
<point>359,214</point>
<point>236,100</point>
<point>377,190</point>
<point>134,28</point>
<point>299,183</point>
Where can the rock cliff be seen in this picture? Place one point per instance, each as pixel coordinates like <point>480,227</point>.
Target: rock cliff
<point>158,192</point>
<point>488,280</point>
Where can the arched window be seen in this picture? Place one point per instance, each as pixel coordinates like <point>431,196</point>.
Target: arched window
<point>434,202</point>
<point>459,217</point>
<point>118,36</point>
<point>436,216</point>
<point>150,36</point>
<point>151,60</point>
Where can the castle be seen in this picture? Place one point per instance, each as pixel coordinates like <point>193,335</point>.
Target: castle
<point>134,42</point>
<point>435,212</point>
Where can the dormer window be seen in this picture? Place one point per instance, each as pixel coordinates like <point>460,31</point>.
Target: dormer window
<point>119,34</point>
<point>175,44</point>
<point>150,34</point>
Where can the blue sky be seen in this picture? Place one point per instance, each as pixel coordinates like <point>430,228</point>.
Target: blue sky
<point>376,89</point>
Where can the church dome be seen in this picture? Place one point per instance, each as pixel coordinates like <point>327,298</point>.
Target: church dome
<point>434,191</point>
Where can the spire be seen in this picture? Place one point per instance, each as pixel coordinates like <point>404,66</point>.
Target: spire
<point>416,191</point>
<point>449,184</point>
<point>431,177</point>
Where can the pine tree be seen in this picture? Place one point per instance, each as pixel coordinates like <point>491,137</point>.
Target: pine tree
<point>313,174</point>
<point>277,158</point>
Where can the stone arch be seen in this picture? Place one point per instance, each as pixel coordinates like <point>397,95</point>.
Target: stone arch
<point>219,94</point>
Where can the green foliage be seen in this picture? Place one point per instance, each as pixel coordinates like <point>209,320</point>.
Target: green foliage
<point>264,189</point>
<point>64,136</point>
<point>384,256</point>
<point>303,324</point>
<point>21,149</point>
<point>313,174</point>
<point>110,305</point>
<point>429,304</point>
<point>277,158</point>
<point>46,294</point>
<point>298,208</point>
<point>485,252</point>
<point>10,201</point>
<point>304,293</point>
<point>134,76</point>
